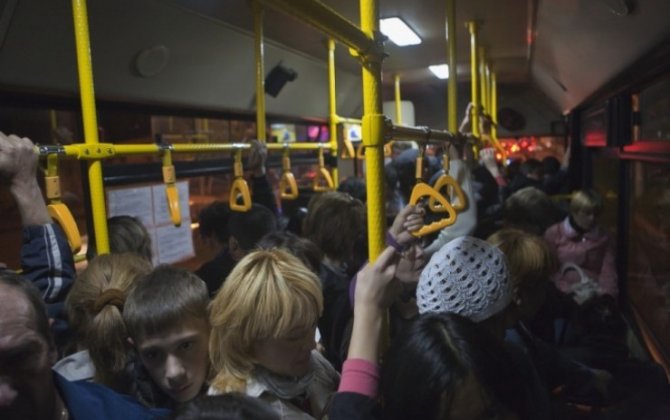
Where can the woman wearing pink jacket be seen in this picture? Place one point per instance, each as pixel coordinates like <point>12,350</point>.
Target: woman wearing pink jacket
<point>584,250</point>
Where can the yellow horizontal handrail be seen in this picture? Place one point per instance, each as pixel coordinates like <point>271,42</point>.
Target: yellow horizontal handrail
<point>419,134</point>
<point>108,150</point>
<point>329,21</point>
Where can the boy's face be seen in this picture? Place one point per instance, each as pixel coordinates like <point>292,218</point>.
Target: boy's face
<point>177,358</point>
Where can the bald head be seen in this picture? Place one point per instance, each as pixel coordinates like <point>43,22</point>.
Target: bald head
<point>19,297</point>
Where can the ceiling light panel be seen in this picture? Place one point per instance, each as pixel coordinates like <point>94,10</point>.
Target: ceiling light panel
<point>398,32</point>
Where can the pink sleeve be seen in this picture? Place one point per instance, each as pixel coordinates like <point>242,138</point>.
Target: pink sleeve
<point>359,376</point>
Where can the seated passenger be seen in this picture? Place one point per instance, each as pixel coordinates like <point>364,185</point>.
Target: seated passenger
<point>29,389</point>
<point>584,249</point>
<point>168,326</point>
<point>95,310</point>
<point>262,342</point>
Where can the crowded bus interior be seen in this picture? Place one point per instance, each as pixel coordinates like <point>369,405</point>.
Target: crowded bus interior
<point>334,209</point>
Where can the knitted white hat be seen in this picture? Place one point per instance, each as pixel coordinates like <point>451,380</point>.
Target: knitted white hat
<point>467,276</point>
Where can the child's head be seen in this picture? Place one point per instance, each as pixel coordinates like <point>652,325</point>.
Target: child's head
<point>334,221</point>
<point>531,263</point>
<point>95,306</point>
<point>585,207</point>
<point>264,315</point>
<point>445,366</point>
<point>468,277</point>
<point>167,321</point>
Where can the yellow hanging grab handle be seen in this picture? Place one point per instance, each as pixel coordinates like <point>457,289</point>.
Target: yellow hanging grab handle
<point>57,209</point>
<point>239,187</point>
<point>360,151</point>
<point>452,186</point>
<point>421,190</point>
<point>388,149</point>
<point>171,192</point>
<point>288,188</point>
<point>323,176</point>
<point>348,151</point>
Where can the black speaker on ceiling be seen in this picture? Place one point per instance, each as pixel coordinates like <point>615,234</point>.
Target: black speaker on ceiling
<point>277,78</point>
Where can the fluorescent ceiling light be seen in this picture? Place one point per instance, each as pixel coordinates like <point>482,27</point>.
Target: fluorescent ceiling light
<point>398,32</point>
<point>440,70</point>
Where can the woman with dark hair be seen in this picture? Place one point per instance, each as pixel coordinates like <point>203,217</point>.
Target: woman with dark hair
<point>446,366</point>
<point>232,406</point>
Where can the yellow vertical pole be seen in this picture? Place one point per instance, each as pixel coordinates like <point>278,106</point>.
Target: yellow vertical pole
<point>494,106</point>
<point>332,106</point>
<point>87,94</point>
<point>260,72</point>
<point>474,78</point>
<point>483,93</point>
<point>398,102</point>
<point>488,87</point>
<point>373,133</point>
<point>452,83</point>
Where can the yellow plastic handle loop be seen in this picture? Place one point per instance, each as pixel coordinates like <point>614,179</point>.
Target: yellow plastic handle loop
<point>421,190</point>
<point>61,214</point>
<point>388,149</point>
<point>240,188</point>
<point>360,151</point>
<point>452,187</point>
<point>57,209</point>
<point>348,151</point>
<point>288,188</point>
<point>322,179</point>
<point>172,195</point>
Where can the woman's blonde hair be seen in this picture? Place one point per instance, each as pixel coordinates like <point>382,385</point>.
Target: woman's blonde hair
<point>588,200</point>
<point>529,257</point>
<point>268,293</point>
<point>95,306</point>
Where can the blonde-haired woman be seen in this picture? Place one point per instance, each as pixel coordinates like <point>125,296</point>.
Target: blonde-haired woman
<point>94,307</point>
<point>262,341</point>
<point>584,249</point>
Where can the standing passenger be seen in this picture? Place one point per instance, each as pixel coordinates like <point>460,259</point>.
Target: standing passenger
<point>262,342</point>
<point>167,322</point>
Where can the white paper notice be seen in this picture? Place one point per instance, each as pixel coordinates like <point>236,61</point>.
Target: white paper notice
<point>170,244</point>
<point>134,201</point>
<point>174,243</point>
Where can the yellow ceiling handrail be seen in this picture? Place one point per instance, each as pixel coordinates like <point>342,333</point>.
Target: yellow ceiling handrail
<point>57,209</point>
<point>171,192</point>
<point>288,188</point>
<point>239,187</point>
<point>323,176</point>
<point>452,187</point>
<point>421,190</point>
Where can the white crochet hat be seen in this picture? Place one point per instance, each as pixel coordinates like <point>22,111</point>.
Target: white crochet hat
<point>467,276</point>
